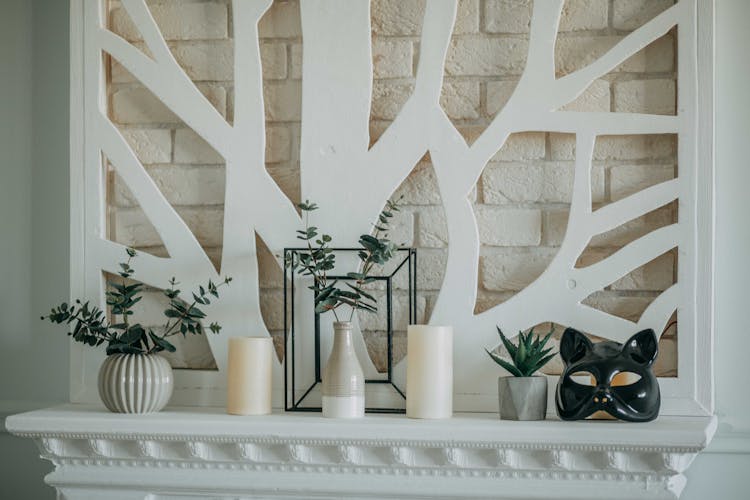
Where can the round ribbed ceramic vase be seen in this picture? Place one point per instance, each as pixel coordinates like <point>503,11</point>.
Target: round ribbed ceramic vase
<point>343,379</point>
<point>135,383</point>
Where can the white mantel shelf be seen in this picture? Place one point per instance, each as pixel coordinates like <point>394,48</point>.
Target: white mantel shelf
<point>201,452</point>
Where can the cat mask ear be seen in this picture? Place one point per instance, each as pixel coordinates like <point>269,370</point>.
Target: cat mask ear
<point>573,346</point>
<point>643,347</point>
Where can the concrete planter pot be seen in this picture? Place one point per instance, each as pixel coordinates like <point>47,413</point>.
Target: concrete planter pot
<point>522,398</point>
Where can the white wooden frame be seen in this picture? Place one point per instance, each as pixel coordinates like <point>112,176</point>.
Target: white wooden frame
<point>336,142</point>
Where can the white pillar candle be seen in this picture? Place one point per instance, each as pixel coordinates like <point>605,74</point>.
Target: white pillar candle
<point>249,373</point>
<point>429,371</point>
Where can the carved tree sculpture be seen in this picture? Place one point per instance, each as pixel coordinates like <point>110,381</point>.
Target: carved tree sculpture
<point>335,149</point>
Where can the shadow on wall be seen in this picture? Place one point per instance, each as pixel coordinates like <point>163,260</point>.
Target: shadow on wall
<point>21,470</point>
<point>35,44</point>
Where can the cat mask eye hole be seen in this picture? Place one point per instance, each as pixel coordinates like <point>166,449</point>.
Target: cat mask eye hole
<point>625,378</point>
<point>584,378</point>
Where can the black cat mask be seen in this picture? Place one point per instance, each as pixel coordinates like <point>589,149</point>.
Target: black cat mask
<point>637,402</point>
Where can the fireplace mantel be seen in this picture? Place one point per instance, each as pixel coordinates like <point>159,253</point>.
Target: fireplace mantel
<point>202,452</point>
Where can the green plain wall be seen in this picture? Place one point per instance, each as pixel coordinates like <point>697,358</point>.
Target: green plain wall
<point>34,222</point>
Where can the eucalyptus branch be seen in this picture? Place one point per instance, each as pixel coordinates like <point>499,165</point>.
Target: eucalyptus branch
<point>124,298</point>
<point>92,328</point>
<point>376,251</point>
<point>170,328</point>
<point>316,261</point>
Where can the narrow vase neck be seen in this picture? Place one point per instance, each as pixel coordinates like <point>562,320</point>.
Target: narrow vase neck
<point>342,335</point>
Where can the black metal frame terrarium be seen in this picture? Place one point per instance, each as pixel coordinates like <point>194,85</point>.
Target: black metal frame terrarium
<point>292,384</point>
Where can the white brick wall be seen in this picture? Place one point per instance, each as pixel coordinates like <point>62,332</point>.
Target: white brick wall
<point>460,100</point>
<point>133,228</point>
<point>514,16</point>
<point>629,14</point>
<point>514,270</point>
<point>486,56</point>
<point>628,179</point>
<point>397,17</point>
<point>283,100</point>
<point>431,267</point>
<point>189,147</point>
<point>509,227</point>
<point>392,58</point>
<point>522,198</point>
<point>432,231</point>
<point>150,145</point>
<point>281,21</point>
<point>507,16</point>
<point>614,148</point>
<point>595,98</point>
<point>206,60</point>
<point>420,188</point>
<point>575,52</point>
<point>551,182</point>
<point>295,63</point>
<point>278,144</point>
<point>657,275</point>
<point>498,94</point>
<point>273,60</point>
<point>646,96</point>
<point>636,228</point>
<point>523,146</point>
<point>581,15</point>
<point>199,185</point>
<point>388,98</point>
<point>178,21</point>
<point>136,105</point>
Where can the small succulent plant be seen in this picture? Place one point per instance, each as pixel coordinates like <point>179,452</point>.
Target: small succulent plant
<point>528,356</point>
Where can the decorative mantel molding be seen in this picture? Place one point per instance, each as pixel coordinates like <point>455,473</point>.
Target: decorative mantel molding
<point>189,452</point>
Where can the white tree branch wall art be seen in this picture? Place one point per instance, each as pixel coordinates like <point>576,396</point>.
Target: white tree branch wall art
<point>351,175</point>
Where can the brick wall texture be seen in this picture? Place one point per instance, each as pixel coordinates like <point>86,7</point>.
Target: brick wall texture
<point>523,197</point>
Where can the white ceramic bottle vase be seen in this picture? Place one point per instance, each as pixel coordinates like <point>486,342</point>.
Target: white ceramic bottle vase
<point>135,383</point>
<point>343,379</point>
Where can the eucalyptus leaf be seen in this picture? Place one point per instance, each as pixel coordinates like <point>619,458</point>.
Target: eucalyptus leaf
<point>162,342</point>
